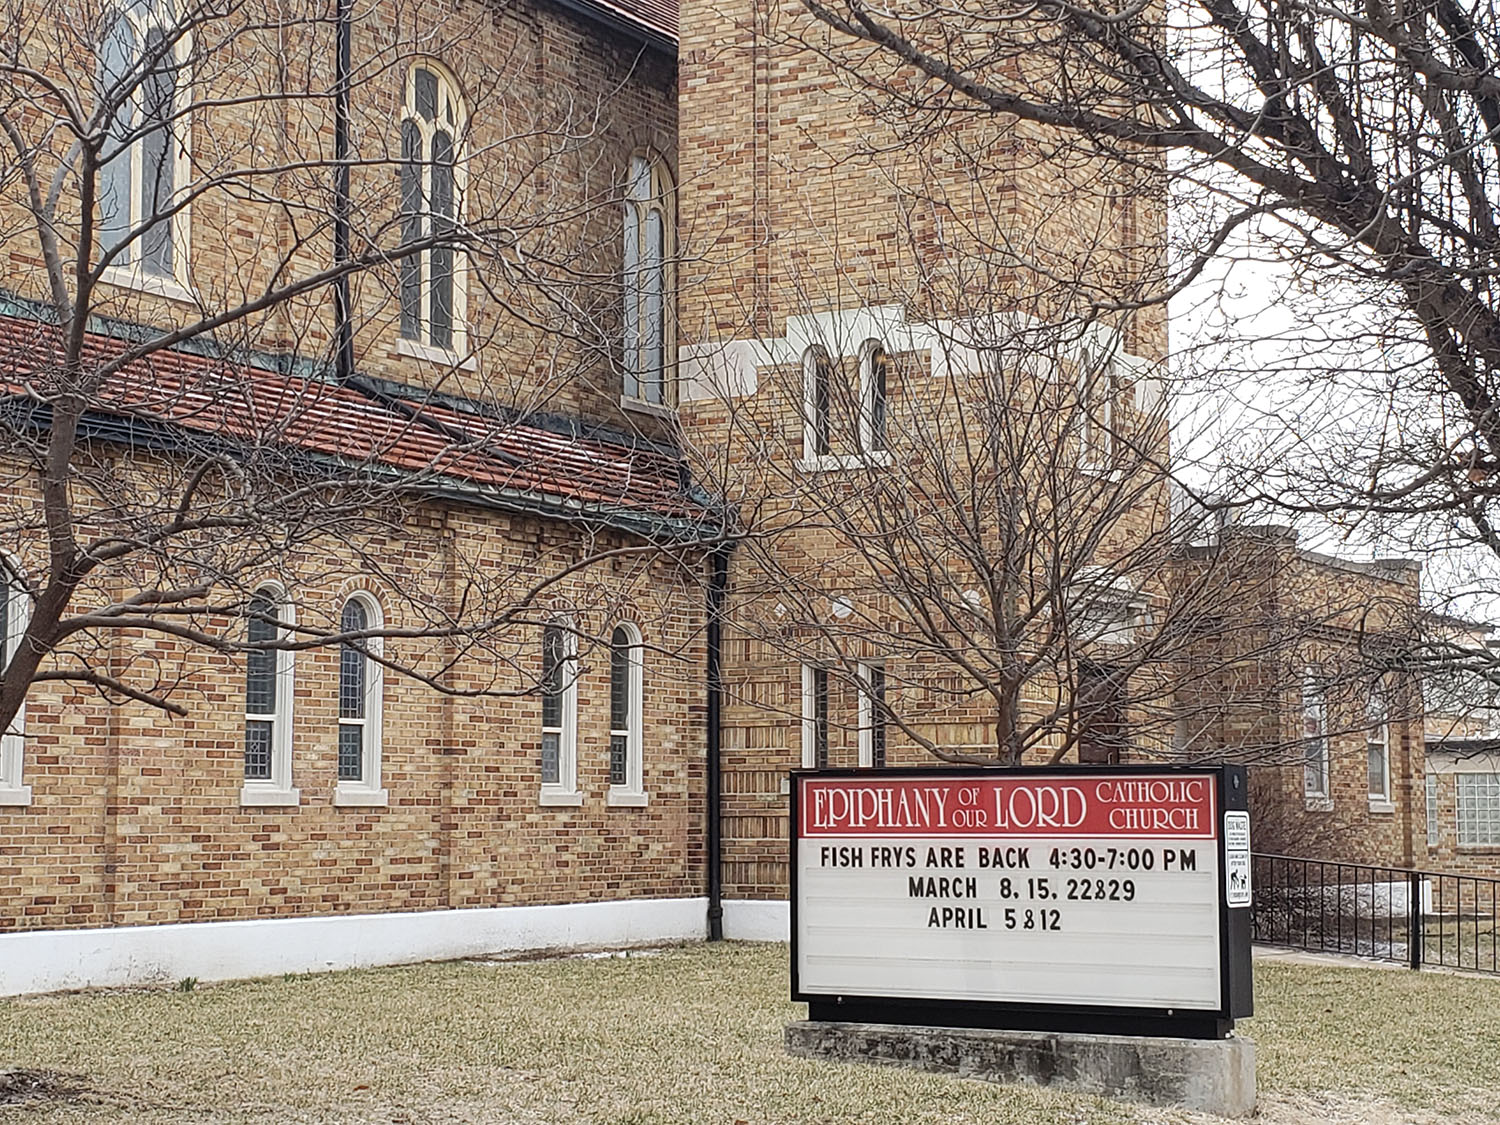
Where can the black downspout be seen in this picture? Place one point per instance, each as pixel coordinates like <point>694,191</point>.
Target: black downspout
<point>718,584</point>
<point>342,308</point>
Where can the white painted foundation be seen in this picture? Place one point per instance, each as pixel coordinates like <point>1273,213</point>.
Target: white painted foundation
<point>53,960</point>
<point>750,920</point>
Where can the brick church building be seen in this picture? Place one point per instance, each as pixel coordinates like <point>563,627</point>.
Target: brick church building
<point>608,551</point>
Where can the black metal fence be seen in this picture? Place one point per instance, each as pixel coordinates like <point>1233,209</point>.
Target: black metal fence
<point>1414,918</point>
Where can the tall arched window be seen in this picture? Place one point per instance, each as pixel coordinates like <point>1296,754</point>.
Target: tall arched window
<point>15,615</point>
<point>361,703</point>
<point>268,702</point>
<point>647,283</point>
<point>559,688</point>
<point>433,302</point>
<point>141,77</point>
<point>626,723</point>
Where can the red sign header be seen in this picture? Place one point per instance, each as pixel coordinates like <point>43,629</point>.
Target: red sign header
<point>1089,805</point>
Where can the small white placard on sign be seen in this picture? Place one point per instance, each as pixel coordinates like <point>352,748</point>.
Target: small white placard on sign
<point>1237,858</point>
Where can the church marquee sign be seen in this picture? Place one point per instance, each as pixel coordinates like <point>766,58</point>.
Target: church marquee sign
<point>1111,900</point>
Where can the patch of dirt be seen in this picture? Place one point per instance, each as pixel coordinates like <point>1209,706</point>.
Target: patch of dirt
<point>30,1087</point>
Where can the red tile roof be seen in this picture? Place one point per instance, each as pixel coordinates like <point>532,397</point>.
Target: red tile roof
<point>438,441</point>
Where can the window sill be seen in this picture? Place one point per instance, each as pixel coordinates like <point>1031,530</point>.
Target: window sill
<point>444,357</point>
<point>1379,806</point>
<point>626,798</point>
<point>559,798</point>
<point>838,462</point>
<point>17,797</point>
<point>1479,849</point>
<point>1319,804</point>
<point>127,278</point>
<point>641,406</point>
<point>360,797</point>
<point>256,797</point>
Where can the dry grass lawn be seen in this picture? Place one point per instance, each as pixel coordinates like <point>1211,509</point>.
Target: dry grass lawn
<point>687,1035</point>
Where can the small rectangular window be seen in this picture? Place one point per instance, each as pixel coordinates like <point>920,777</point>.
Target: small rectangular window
<point>872,716</point>
<point>1434,829</point>
<point>1378,758</point>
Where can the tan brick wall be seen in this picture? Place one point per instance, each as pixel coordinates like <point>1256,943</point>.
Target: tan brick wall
<point>136,816</point>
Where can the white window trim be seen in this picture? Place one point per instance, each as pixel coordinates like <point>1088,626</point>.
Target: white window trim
<point>367,792</point>
<point>1315,699</point>
<point>277,790</point>
<point>1379,734</point>
<point>431,353</point>
<point>564,791</point>
<point>14,792</point>
<point>868,716</point>
<point>633,793</point>
<point>867,403</point>
<point>458,355</point>
<point>132,275</point>
<point>810,715</point>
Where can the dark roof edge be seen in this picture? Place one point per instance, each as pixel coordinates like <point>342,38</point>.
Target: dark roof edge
<point>642,33</point>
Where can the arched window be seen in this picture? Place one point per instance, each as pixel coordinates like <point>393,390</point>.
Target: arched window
<point>874,375</point>
<point>268,702</point>
<point>15,615</point>
<point>361,703</point>
<point>144,160</point>
<point>817,404</point>
<point>626,729</point>
<point>1315,738</point>
<point>433,303</point>
<point>559,688</point>
<point>647,329</point>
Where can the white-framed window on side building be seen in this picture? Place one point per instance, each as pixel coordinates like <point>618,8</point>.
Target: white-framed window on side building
<point>15,615</point>
<point>626,721</point>
<point>1378,753</point>
<point>268,701</point>
<point>361,706</point>
<point>1098,392</point>
<point>872,716</point>
<point>559,687</point>
<point>1315,787</point>
<point>1434,827</point>
<point>814,717</point>
<point>647,280</point>
<point>143,221</point>
<point>1478,809</point>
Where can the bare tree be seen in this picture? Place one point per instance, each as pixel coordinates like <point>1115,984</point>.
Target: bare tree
<point>206,212</point>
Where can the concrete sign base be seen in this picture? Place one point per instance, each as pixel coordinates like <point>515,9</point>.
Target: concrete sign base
<point>1209,1075</point>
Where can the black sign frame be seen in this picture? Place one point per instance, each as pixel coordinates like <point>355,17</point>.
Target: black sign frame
<point>1236,987</point>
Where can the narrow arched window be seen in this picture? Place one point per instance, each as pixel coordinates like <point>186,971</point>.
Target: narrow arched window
<point>15,615</point>
<point>559,690</point>
<point>268,701</point>
<point>817,403</point>
<point>647,283</point>
<point>139,80</point>
<point>874,377</point>
<point>433,302</point>
<point>361,702</point>
<point>626,697</point>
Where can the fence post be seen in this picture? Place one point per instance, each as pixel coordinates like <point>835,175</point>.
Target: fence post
<point>1414,917</point>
